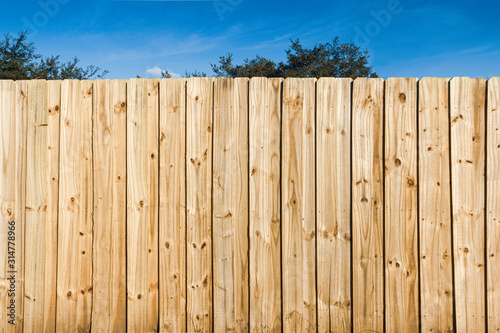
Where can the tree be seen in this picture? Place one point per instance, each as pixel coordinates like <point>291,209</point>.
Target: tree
<point>250,68</point>
<point>333,59</point>
<point>19,61</point>
<point>195,74</point>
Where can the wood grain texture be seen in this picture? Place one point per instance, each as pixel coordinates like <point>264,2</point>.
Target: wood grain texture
<point>13,112</point>
<point>194,204</point>
<point>42,186</point>
<point>401,233</point>
<point>172,236</point>
<point>265,217</point>
<point>298,205</point>
<point>142,205</point>
<point>230,205</point>
<point>367,205</point>
<point>436,271</point>
<point>492,202</point>
<point>20,195</point>
<point>109,312</point>
<point>75,225</point>
<point>468,184</point>
<point>199,204</point>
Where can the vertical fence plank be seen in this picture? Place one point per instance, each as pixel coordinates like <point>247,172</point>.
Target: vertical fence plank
<point>298,205</point>
<point>42,204</point>
<point>13,151</point>
<point>265,253</point>
<point>199,204</point>
<point>401,235</point>
<point>435,206</point>
<point>142,204</point>
<point>74,263</point>
<point>333,195</point>
<point>334,204</point>
<point>172,238</point>
<point>20,192</point>
<point>493,206</point>
<point>367,205</point>
<point>468,184</point>
<point>109,262</point>
<point>230,210</point>
<point>152,132</point>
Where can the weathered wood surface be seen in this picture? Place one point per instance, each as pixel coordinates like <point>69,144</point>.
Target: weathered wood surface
<point>230,205</point>
<point>260,205</point>
<point>467,137</point>
<point>436,271</point>
<point>367,205</point>
<point>265,208</point>
<point>401,233</point>
<point>333,202</point>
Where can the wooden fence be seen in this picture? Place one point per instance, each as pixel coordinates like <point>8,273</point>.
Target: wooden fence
<point>260,205</point>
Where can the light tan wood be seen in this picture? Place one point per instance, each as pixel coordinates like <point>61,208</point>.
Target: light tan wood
<point>109,312</point>
<point>114,195</point>
<point>401,234</point>
<point>333,195</point>
<point>230,205</point>
<point>492,202</point>
<point>298,205</point>
<point>436,271</point>
<point>199,204</point>
<point>172,236</point>
<point>74,239</point>
<point>265,251</point>
<point>12,174</point>
<point>367,205</point>
<point>468,184</point>
<point>142,205</point>
<point>42,204</point>
<point>20,192</point>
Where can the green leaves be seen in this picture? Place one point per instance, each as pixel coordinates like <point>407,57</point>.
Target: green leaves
<point>333,59</point>
<point>19,61</point>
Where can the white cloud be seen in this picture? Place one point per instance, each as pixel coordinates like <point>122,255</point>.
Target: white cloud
<point>156,72</point>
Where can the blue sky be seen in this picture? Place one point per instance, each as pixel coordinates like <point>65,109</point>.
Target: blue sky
<point>128,38</point>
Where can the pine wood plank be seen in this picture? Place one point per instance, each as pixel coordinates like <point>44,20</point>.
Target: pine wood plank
<point>265,217</point>
<point>13,113</point>
<point>42,204</point>
<point>142,205</point>
<point>20,192</point>
<point>230,205</point>
<point>492,201</point>
<point>468,184</point>
<point>436,271</point>
<point>74,239</point>
<point>172,236</point>
<point>298,205</point>
<point>199,204</point>
<point>109,313</point>
<point>367,205</point>
<point>333,195</point>
<point>401,232</point>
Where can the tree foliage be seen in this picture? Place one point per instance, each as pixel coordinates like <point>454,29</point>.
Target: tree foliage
<point>165,74</point>
<point>19,61</point>
<point>333,59</point>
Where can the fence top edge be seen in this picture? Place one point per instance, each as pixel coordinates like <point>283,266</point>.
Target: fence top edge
<point>263,78</point>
